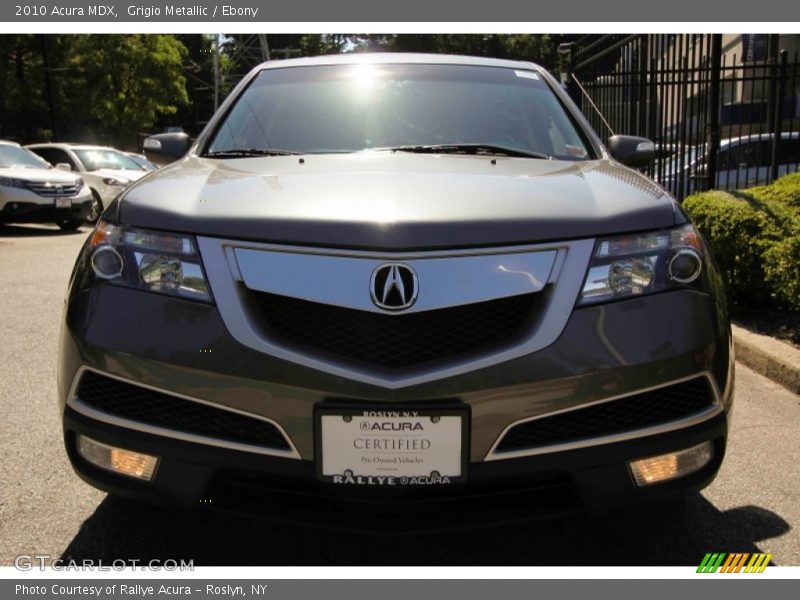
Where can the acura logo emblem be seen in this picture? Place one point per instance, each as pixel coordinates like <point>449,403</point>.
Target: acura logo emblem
<point>394,286</point>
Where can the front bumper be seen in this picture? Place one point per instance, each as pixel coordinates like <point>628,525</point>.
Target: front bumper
<point>605,351</point>
<point>594,479</point>
<point>24,206</point>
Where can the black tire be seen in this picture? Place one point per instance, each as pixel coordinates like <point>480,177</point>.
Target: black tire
<point>70,223</point>
<point>96,210</point>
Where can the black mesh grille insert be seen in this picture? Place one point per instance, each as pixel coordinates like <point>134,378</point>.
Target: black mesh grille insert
<point>616,416</point>
<point>163,410</point>
<point>396,340</point>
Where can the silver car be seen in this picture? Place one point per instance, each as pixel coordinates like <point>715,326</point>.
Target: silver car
<point>106,170</point>
<point>31,191</point>
<point>396,290</point>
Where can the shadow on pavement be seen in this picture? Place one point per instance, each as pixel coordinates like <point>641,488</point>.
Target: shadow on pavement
<point>14,231</point>
<point>678,534</point>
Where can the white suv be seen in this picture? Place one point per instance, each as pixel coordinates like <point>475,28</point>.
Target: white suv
<point>32,191</point>
<point>107,171</point>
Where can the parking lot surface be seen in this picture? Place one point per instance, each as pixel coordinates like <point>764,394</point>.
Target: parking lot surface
<point>753,506</point>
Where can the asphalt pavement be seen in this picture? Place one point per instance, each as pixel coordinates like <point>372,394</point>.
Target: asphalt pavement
<point>752,506</point>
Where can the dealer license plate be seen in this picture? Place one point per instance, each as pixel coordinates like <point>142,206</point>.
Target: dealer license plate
<point>391,446</point>
<point>63,202</point>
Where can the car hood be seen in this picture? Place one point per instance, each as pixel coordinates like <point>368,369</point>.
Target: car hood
<point>395,201</point>
<point>129,174</point>
<point>40,175</point>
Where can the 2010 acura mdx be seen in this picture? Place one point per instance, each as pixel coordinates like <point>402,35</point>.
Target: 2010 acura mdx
<point>396,284</point>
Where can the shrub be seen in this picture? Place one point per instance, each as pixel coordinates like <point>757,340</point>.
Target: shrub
<point>785,190</point>
<point>755,237</point>
<point>782,271</point>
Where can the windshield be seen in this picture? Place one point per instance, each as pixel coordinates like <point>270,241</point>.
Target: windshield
<point>14,156</point>
<point>94,159</point>
<point>348,108</point>
<point>143,163</point>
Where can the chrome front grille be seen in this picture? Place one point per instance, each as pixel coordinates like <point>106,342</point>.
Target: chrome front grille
<point>315,307</point>
<point>53,190</point>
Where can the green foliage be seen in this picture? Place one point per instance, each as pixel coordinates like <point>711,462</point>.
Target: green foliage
<point>110,88</point>
<point>785,190</point>
<point>130,79</point>
<point>92,88</point>
<point>755,237</point>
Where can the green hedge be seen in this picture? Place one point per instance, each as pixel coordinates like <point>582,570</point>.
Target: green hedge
<point>755,237</point>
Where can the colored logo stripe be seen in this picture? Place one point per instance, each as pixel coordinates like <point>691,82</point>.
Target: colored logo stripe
<point>711,562</point>
<point>733,563</point>
<point>758,563</point>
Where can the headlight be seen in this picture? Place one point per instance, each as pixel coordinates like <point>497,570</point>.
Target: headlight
<point>155,261</point>
<point>11,182</point>
<point>118,181</point>
<point>633,265</point>
<point>79,183</point>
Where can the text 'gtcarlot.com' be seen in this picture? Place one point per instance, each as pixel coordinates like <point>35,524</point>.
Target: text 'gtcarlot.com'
<point>28,562</point>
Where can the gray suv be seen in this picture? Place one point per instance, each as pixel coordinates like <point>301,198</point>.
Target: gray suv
<point>396,291</point>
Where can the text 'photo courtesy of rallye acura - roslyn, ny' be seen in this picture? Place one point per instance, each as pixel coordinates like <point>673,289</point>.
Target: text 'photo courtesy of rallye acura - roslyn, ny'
<point>401,284</point>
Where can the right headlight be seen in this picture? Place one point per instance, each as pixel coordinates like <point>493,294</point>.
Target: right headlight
<point>643,263</point>
<point>154,261</point>
<point>12,182</point>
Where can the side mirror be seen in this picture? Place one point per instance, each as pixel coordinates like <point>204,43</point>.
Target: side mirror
<point>631,150</point>
<point>164,148</point>
<point>64,166</point>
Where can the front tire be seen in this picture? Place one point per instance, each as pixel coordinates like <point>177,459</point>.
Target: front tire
<point>96,209</point>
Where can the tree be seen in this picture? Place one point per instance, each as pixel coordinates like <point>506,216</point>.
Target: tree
<point>23,107</point>
<point>129,80</point>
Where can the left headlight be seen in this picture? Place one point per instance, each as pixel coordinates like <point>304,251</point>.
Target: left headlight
<point>155,261</point>
<point>633,265</point>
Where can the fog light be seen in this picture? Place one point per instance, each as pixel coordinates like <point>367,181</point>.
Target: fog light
<point>119,460</point>
<point>670,466</point>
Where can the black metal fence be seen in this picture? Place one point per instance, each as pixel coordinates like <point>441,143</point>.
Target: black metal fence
<point>721,117</point>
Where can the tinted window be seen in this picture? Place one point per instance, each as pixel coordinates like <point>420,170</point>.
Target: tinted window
<point>789,152</point>
<point>347,108</point>
<point>15,156</point>
<point>761,153</point>
<point>94,159</point>
<point>54,156</point>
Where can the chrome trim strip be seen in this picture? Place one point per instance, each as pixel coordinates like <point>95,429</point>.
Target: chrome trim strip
<point>704,415</point>
<point>226,282</point>
<point>442,282</point>
<point>74,402</point>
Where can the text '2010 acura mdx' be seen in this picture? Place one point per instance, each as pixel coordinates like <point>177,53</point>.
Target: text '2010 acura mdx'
<point>413,286</point>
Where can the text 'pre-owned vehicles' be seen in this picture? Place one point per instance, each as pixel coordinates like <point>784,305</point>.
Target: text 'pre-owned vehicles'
<point>31,191</point>
<point>107,171</point>
<point>405,286</point>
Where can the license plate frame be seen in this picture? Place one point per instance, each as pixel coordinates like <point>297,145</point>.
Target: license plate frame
<point>396,413</point>
<point>63,202</point>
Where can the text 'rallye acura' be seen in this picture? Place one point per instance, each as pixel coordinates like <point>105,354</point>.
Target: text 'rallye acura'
<point>396,284</point>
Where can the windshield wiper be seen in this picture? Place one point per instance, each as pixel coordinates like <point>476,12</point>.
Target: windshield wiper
<point>487,149</point>
<point>247,152</point>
